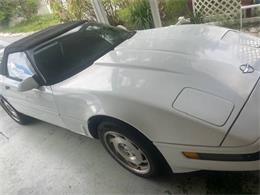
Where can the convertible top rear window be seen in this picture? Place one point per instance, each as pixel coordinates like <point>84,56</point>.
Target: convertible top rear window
<point>75,50</point>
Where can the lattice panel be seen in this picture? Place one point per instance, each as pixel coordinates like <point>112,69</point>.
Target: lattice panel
<point>228,9</point>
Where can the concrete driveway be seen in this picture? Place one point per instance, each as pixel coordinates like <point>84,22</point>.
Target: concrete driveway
<point>44,159</point>
<point>9,38</point>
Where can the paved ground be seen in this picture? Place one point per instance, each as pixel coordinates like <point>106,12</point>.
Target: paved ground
<point>11,38</point>
<point>45,159</point>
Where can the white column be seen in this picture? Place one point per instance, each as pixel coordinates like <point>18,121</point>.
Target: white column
<point>241,19</point>
<point>155,13</point>
<point>100,11</point>
<point>193,7</point>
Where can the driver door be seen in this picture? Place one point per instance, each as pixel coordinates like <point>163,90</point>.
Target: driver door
<point>37,103</point>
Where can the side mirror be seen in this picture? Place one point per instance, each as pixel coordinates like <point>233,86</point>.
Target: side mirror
<point>28,84</point>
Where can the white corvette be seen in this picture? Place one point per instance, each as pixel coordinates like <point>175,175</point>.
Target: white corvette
<point>184,97</point>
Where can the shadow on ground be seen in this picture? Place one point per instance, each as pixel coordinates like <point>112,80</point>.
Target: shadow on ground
<point>216,182</point>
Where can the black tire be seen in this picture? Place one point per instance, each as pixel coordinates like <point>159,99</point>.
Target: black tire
<point>13,113</point>
<point>157,164</point>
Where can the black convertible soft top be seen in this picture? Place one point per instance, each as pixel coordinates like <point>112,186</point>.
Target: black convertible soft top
<point>41,36</point>
<point>37,38</point>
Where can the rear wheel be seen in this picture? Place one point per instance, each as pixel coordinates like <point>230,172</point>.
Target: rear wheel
<point>14,114</point>
<point>131,149</point>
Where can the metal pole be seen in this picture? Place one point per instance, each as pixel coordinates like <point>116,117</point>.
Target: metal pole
<point>100,11</point>
<point>155,13</point>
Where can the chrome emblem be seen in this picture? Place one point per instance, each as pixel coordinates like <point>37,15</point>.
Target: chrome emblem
<point>246,68</point>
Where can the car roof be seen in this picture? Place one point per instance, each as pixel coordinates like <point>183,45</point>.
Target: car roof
<point>33,40</point>
<point>41,36</point>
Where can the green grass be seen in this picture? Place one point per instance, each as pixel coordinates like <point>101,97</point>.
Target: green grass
<point>35,24</point>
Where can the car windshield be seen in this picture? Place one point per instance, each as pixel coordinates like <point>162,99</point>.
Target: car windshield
<point>76,49</point>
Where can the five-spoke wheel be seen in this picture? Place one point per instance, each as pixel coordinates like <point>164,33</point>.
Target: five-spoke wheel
<point>131,149</point>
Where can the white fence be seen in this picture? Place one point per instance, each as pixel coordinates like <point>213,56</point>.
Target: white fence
<point>212,9</point>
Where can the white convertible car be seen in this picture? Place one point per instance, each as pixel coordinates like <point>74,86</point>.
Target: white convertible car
<point>181,97</point>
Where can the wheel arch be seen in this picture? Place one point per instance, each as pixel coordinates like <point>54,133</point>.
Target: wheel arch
<point>94,121</point>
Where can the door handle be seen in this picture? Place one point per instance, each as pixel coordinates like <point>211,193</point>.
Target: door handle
<point>7,87</point>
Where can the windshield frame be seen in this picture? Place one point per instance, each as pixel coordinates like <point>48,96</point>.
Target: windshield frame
<point>44,80</point>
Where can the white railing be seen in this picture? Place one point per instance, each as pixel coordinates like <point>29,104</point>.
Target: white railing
<point>245,8</point>
<point>228,9</point>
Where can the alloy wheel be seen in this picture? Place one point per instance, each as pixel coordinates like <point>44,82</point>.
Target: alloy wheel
<point>128,153</point>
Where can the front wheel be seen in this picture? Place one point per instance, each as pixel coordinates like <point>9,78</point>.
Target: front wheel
<point>13,113</point>
<point>131,149</point>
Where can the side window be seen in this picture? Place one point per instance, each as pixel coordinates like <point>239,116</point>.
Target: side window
<point>18,66</point>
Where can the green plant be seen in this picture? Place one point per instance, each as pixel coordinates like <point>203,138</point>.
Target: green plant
<point>137,15</point>
<point>171,10</point>
<point>58,9</point>
<point>22,8</point>
<point>112,8</point>
<point>7,10</point>
<point>73,10</point>
<point>196,18</point>
<point>34,24</point>
<point>27,8</point>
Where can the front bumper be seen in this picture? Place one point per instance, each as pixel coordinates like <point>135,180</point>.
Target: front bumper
<point>173,153</point>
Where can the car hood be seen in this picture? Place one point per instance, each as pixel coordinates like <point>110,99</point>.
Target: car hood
<point>196,42</point>
<point>212,55</point>
<point>202,57</point>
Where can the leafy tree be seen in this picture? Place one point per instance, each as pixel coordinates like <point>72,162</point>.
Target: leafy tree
<point>73,10</point>
<point>22,8</point>
<point>7,10</point>
<point>27,8</point>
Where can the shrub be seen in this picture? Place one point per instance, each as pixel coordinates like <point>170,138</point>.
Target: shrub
<point>27,8</point>
<point>171,10</point>
<point>22,8</point>
<point>7,10</point>
<point>196,18</point>
<point>73,10</point>
<point>112,8</point>
<point>34,24</point>
<point>137,15</point>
